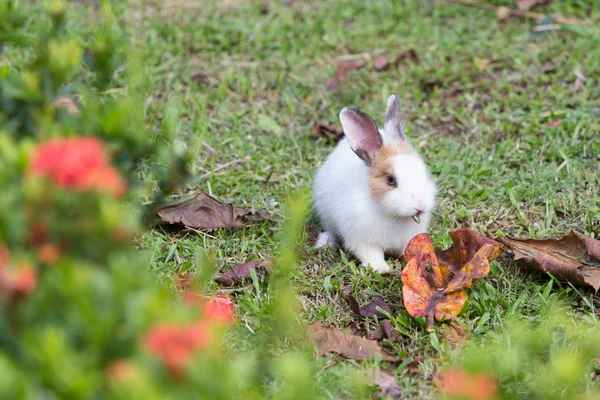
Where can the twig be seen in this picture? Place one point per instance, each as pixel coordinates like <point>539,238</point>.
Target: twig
<point>515,13</point>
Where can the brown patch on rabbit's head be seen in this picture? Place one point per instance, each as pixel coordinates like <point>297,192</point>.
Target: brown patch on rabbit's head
<point>382,177</point>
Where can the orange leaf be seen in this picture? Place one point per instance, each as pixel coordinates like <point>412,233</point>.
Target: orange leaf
<point>435,281</point>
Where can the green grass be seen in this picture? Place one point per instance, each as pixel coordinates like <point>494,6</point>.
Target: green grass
<point>484,135</point>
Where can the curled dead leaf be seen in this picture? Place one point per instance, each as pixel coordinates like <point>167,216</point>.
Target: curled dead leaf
<point>574,258</point>
<point>370,310</point>
<point>329,341</point>
<point>206,213</point>
<point>243,271</point>
<point>435,281</point>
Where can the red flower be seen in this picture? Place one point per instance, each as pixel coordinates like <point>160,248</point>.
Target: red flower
<point>77,163</point>
<point>25,280</point>
<point>460,383</point>
<point>174,345</point>
<point>219,309</point>
<point>16,283</point>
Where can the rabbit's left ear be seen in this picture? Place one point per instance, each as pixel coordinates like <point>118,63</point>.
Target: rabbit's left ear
<point>393,122</point>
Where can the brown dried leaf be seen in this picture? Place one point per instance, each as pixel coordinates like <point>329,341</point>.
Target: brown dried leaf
<point>207,213</point>
<point>331,341</point>
<point>408,55</point>
<point>380,62</point>
<point>242,271</point>
<point>370,310</point>
<point>387,383</point>
<point>574,257</point>
<point>435,281</point>
<point>525,5</point>
<point>343,68</point>
<point>204,79</point>
<point>323,130</point>
<point>554,123</point>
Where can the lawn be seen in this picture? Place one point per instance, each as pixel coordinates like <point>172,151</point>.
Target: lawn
<point>508,123</point>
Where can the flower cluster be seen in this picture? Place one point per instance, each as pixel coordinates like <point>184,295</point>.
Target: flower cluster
<point>79,163</point>
<point>175,345</point>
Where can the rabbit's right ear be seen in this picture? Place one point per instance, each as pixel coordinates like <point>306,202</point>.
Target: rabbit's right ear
<point>362,133</point>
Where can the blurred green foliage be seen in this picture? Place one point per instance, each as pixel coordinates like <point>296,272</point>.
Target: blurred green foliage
<point>73,325</point>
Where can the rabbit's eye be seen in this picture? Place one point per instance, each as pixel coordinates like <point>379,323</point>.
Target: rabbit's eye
<point>391,180</point>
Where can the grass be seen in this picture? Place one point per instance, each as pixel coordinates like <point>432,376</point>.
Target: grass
<point>484,134</point>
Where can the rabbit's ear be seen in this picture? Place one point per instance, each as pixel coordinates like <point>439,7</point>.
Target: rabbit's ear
<point>362,133</point>
<point>393,122</point>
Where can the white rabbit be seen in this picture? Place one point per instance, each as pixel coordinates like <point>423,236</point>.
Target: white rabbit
<point>373,192</point>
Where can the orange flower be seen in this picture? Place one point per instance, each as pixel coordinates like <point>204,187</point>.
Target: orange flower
<point>460,383</point>
<point>77,163</point>
<point>219,309</point>
<point>174,345</point>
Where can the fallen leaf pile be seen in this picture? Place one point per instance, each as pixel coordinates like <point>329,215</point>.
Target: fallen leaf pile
<point>574,258</point>
<point>206,213</point>
<point>435,281</point>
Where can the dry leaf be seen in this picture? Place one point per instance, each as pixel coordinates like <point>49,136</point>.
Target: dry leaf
<point>408,55</point>
<point>242,271</point>
<point>331,341</point>
<point>386,382</point>
<point>207,213</point>
<point>67,104</point>
<point>435,281</point>
<point>370,310</point>
<point>554,123</point>
<point>380,62</point>
<point>203,78</point>
<point>525,5</point>
<point>574,257</point>
<point>343,68</point>
<point>322,130</point>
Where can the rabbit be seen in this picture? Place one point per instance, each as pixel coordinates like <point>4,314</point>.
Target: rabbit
<point>373,192</point>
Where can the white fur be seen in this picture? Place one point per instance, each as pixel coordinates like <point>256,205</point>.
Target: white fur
<point>367,229</point>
